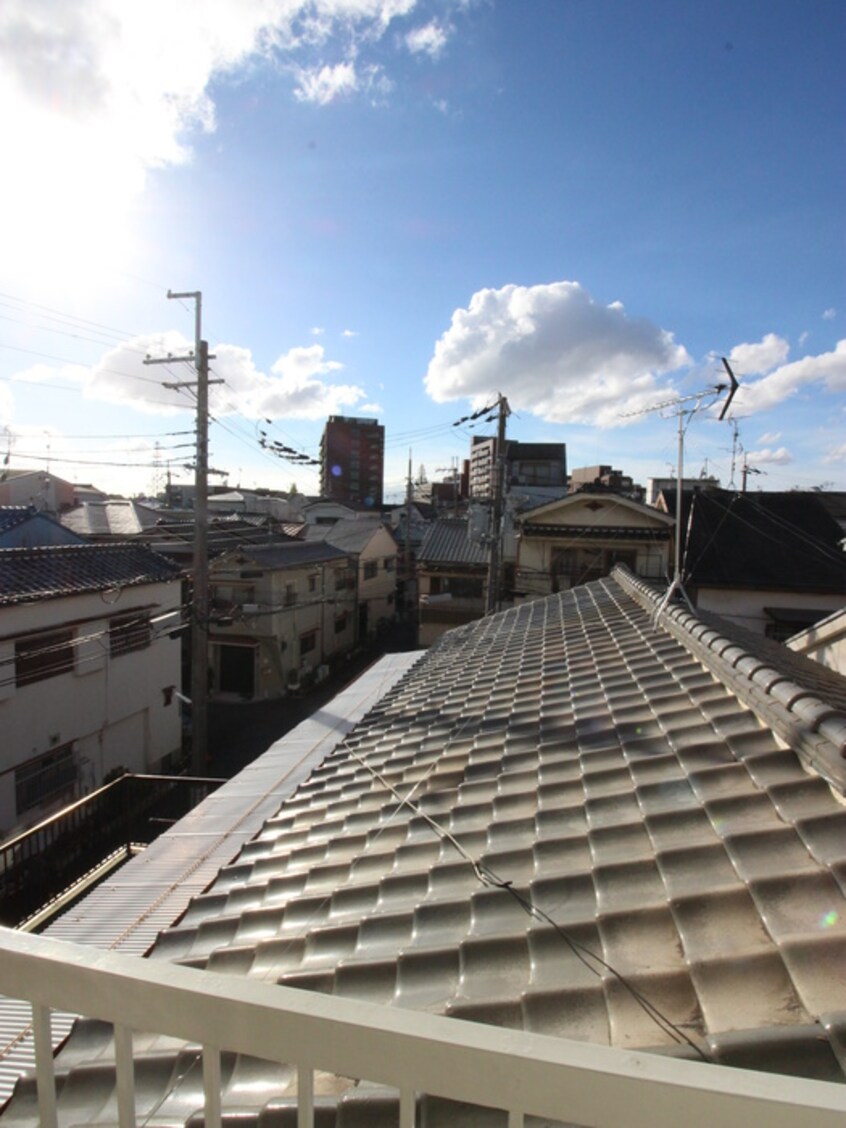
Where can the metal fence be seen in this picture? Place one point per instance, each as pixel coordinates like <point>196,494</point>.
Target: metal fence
<point>39,864</point>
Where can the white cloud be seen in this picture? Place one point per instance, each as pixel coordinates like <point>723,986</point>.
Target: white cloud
<point>836,454</point>
<point>829,314</point>
<point>803,337</point>
<point>107,90</point>
<point>298,386</point>
<point>779,457</point>
<point>826,369</point>
<point>769,438</point>
<point>317,331</point>
<point>430,39</point>
<point>553,351</point>
<point>322,85</point>
<point>372,408</point>
<point>349,333</point>
<point>756,359</point>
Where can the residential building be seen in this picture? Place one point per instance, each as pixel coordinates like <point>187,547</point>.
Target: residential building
<point>324,512</point>
<point>280,615</point>
<point>90,661</point>
<point>582,860</point>
<point>452,574</point>
<point>770,562</point>
<point>605,478</point>
<point>22,526</point>
<point>580,538</point>
<point>656,486</point>
<point>371,543</point>
<point>526,464</point>
<point>43,490</point>
<point>271,504</point>
<point>352,461</point>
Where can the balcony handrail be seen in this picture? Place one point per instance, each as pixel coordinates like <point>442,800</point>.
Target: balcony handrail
<point>42,861</point>
<point>415,1053</point>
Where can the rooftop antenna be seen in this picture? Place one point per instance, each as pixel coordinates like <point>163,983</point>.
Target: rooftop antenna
<point>697,399</point>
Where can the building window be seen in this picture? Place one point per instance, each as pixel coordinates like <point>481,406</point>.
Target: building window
<point>290,595</point>
<point>344,580</point>
<point>341,623</point>
<point>312,583</point>
<point>308,642</point>
<point>129,632</point>
<point>371,569</point>
<point>46,778</point>
<point>43,656</point>
<point>390,564</point>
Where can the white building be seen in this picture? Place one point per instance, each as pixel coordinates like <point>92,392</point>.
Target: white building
<point>89,666</point>
<point>373,545</point>
<point>280,614</point>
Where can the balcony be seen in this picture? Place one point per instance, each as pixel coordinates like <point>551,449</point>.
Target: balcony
<point>418,1057</point>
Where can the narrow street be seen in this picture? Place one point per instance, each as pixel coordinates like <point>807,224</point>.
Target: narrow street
<point>240,731</point>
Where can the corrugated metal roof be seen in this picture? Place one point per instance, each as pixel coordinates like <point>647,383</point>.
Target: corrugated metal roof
<point>561,819</point>
<point>129,910</point>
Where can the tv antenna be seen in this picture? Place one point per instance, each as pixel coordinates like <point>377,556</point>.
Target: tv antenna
<point>696,399</point>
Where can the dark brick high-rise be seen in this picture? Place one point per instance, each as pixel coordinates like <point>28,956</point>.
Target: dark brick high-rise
<point>352,461</point>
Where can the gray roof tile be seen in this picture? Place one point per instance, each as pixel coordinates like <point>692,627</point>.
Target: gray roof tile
<point>573,756</point>
<point>56,570</point>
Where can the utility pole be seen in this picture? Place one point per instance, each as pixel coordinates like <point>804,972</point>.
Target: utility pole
<point>200,603</point>
<point>408,495</point>
<point>495,558</point>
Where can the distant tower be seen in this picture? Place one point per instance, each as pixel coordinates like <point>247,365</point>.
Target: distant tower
<point>352,461</point>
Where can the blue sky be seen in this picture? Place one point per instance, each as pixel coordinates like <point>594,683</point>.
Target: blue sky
<point>401,208</point>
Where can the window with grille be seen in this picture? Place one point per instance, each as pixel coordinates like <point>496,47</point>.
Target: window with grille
<point>129,632</point>
<point>43,656</point>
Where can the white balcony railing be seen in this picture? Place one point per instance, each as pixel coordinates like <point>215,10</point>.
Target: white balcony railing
<point>414,1053</point>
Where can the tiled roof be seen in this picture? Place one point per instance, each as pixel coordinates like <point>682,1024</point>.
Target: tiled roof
<point>56,570</point>
<point>118,517</point>
<point>447,541</point>
<point>351,534</point>
<point>787,541</point>
<point>286,554</point>
<point>562,819</point>
<point>13,515</point>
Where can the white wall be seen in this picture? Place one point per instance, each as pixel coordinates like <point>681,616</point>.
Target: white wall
<point>746,608</point>
<point>112,708</point>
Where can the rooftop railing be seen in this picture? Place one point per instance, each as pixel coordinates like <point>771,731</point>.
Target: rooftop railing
<point>412,1053</point>
<point>40,863</point>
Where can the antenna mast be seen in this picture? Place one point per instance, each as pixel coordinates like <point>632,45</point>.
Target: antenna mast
<point>676,583</point>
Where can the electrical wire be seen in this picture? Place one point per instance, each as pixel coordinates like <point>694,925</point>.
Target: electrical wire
<point>487,877</point>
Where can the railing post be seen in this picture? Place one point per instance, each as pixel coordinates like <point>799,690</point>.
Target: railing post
<point>407,1108</point>
<point>45,1076</point>
<point>212,1086</point>
<point>125,1076</point>
<point>305,1097</point>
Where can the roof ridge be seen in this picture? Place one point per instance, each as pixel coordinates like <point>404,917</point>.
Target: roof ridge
<point>813,728</point>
